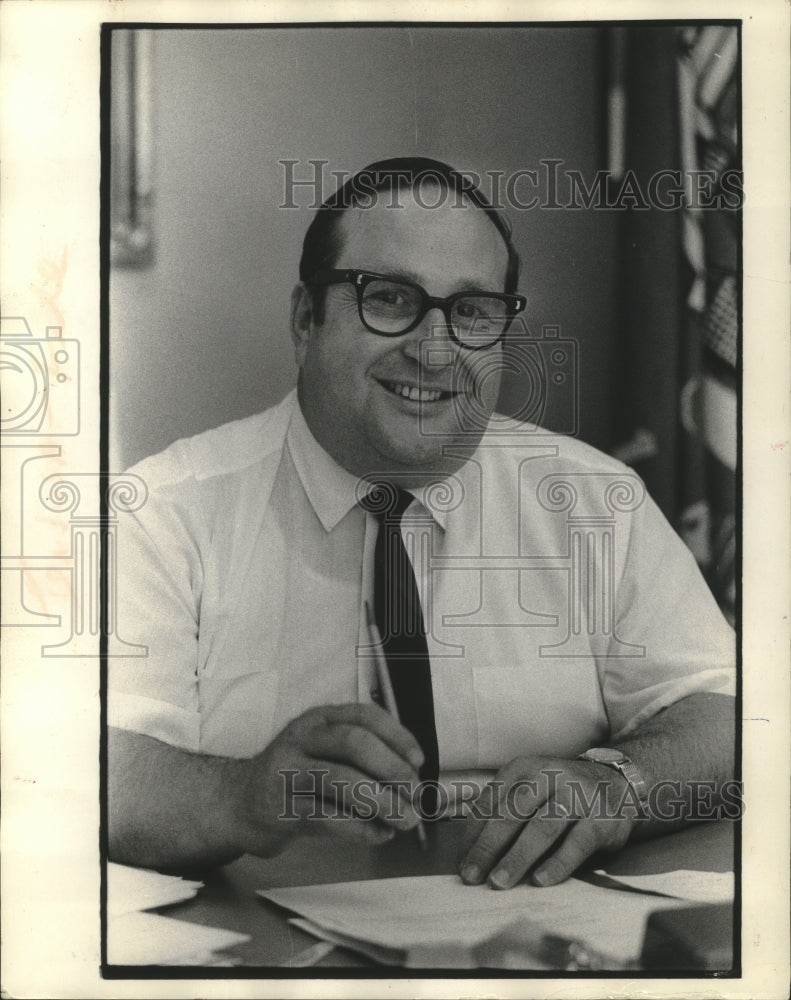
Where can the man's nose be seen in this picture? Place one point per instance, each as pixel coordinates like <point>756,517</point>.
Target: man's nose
<point>430,342</point>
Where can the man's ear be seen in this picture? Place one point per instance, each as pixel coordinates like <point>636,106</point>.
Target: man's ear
<point>301,320</point>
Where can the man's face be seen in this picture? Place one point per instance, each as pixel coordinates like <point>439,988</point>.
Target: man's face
<point>353,381</point>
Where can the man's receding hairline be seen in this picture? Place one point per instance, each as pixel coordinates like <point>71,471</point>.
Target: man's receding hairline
<point>411,185</point>
<point>439,182</point>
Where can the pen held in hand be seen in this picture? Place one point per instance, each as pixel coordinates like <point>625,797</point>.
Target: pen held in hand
<point>388,695</point>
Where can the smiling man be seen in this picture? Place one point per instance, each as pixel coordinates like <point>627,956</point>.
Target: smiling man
<point>574,689</point>
<point>387,402</point>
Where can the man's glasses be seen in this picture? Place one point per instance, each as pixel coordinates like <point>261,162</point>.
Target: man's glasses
<point>391,307</point>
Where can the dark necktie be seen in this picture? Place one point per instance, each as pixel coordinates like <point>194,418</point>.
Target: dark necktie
<point>399,618</point>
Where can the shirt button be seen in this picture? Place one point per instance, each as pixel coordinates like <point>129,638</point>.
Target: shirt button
<point>376,695</point>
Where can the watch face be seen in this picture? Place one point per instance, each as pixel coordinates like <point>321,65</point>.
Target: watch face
<point>604,755</point>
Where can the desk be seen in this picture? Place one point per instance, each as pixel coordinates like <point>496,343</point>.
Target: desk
<point>229,899</point>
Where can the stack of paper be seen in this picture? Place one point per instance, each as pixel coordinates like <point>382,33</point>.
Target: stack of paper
<point>133,889</point>
<point>695,886</point>
<point>138,938</point>
<point>437,921</point>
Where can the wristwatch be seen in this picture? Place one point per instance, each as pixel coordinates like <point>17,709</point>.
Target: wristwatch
<point>620,762</point>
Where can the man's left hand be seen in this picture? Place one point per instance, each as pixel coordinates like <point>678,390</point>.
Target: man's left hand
<point>545,816</point>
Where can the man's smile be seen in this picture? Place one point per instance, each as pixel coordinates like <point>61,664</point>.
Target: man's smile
<point>416,393</point>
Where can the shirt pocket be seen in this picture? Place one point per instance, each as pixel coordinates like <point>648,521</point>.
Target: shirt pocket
<point>532,704</point>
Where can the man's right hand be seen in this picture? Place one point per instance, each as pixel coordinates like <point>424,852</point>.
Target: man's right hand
<point>328,772</point>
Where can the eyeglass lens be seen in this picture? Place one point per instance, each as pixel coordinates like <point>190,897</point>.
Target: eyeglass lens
<point>391,307</point>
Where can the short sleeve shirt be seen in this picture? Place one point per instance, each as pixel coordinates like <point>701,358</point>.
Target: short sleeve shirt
<point>561,608</point>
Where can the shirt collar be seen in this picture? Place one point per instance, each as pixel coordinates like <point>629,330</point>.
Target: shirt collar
<point>331,490</point>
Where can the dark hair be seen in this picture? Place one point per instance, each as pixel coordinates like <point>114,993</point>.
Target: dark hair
<point>322,246</point>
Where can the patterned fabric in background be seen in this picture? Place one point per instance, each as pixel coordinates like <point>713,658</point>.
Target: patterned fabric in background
<point>709,116</point>
<point>679,325</point>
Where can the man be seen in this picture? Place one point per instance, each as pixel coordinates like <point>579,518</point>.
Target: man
<point>250,572</point>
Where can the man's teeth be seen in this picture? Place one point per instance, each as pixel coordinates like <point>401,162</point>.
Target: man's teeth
<point>412,392</point>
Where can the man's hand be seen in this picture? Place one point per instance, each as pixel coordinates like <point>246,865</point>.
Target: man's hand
<point>545,816</point>
<point>326,772</point>
<point>328,769</point>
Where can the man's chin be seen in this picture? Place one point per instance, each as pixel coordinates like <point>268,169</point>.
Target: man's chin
<point>417,461</point>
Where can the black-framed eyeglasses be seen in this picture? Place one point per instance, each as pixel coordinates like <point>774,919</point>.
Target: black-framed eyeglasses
<point>391,307</point>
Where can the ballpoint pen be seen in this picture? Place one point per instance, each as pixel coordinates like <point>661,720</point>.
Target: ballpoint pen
<point>388,695</point>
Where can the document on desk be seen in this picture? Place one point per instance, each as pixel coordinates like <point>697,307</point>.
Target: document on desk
<point>440,914</point>
<point>697,886</point>
<point>151,939</point>
<point>135,937</point>
<point>132,889</point>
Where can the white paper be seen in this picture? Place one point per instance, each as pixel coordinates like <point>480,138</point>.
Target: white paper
<point>139,938</point>
<point>385,956</point>
<point>132,889</point>
<point>699,887</point>
<point>150,939</point>
<point>433,911</point>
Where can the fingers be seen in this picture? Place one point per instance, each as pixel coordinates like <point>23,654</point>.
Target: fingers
<point>346,791</point>
<point>507,848</point>
<point>584,839</point>
<point>533,843</point>
<point>499,814</point>
<point>319,816</point>
<point>372,834</point>
<point>381,724</point>
<point>486,838</point>
<point>355,745</point>
<point>345,763</point>
<point>476,813</point>
<point>494,840</point>
<point>533,826</point>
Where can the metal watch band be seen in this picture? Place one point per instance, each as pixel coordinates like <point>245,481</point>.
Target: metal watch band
<point>632,774</point>
<point>625,766</point>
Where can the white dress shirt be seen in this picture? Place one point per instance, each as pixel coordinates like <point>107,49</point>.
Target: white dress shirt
<point>561,608</point>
